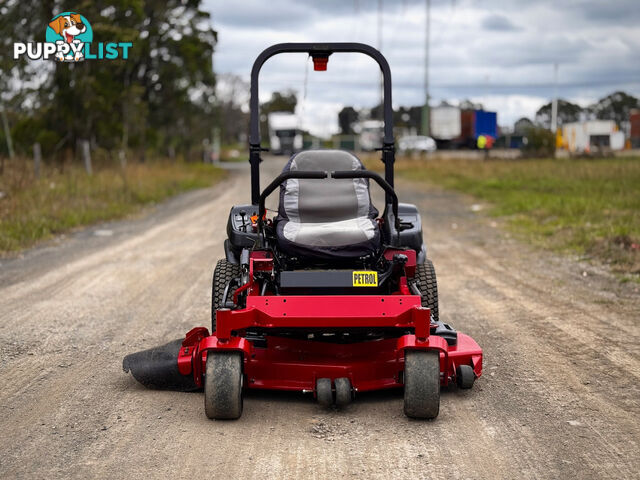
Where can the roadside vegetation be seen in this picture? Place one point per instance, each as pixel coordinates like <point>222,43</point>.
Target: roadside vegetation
<point>35,209</point>
<point>586,206</point>
<point>114,117</point>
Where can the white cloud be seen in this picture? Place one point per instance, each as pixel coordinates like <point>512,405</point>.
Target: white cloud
<point>501,51</point>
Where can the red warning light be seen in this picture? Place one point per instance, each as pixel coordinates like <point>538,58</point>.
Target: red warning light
<point>320,64</point>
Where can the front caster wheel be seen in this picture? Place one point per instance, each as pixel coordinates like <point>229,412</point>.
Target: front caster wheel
<point>323,392</point>
<point>421,384</point>
<point>465,376</point>
<point>223,385</point>
<point>343,391</point>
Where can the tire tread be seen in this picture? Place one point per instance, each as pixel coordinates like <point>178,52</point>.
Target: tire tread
<point>224,272</point>
<point>428,286</point>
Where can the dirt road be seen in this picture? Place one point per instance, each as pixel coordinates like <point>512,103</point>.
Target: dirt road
<point>559,397</point>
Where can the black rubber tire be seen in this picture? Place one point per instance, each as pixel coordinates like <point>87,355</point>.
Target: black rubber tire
<point>465,376</point>
<point>343,391</point>
<point>323,392</point>
<point>421,384</point>
<point>222,275</point>
<point>223,385</point>
<point>428,286</point>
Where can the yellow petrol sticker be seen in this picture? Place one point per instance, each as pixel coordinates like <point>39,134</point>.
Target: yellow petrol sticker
<point>365,278</point>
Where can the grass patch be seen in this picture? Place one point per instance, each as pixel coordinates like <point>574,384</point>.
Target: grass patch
<point>591,207</point>
<point>32,210</point>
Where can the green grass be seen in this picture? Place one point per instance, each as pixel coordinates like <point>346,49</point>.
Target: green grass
<point>591,207</point>
<point>33,210</point>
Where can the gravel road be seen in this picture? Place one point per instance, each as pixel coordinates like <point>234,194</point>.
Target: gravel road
<point>559,397</point>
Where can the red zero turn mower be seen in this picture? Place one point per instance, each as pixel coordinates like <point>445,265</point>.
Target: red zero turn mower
<point>327,297</point>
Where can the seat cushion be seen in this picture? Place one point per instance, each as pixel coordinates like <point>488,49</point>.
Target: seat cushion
<point>330,218</point>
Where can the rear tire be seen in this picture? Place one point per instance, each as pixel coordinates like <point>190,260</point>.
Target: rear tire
<point>428,286</point>
<point>421,383</point>
<point>223,385</point>
<point>224,272</point>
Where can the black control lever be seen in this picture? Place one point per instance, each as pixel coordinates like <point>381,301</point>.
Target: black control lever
<point>405,225</point>
<point>244,224</point>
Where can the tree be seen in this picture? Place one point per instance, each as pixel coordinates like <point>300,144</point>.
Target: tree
<point>20,79</point>
<point>540,142</point>
<point>281,102</point>
<point>616,106</point>
<point>567,112</point>
<point>408,117</point>
<point>469,105</point>
<point>346,118</point>
<point>522,125</point>
<point>162,96</point>
<point>232,94</point>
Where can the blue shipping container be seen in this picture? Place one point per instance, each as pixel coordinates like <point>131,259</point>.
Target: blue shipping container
<point>485,123</point>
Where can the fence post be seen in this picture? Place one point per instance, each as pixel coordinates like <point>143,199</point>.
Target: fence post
<point>215,146</point>
<point>206,151</point>
<point>7,131</point>
<point>122,156</point>
<point>37,159</point>
<point>86,155</point>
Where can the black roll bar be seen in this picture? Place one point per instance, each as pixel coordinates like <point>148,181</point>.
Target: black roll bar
<point>322,50</point>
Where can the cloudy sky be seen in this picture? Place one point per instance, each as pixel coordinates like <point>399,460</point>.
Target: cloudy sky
<point>498,52</point>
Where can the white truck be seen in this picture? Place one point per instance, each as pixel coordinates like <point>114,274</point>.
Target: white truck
<point>285,138</point>
<point>369,134</point>
<point>445,122</point>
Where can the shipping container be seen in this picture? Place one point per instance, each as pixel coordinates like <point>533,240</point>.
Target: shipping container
<point>485,123</point>
<point>467,119</point>
<point>445,122</point>
<point>474,123</point>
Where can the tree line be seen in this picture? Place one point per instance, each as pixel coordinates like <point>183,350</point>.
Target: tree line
<point>161,100</point>
<point>616,106</point>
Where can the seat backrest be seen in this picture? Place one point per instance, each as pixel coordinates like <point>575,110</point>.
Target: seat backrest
<point>328,200</point>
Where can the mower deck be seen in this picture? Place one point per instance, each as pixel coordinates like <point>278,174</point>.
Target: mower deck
<point>292,364</point>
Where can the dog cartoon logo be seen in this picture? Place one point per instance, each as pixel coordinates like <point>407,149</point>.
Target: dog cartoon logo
<point>69,38</point>
<point>72,29</point>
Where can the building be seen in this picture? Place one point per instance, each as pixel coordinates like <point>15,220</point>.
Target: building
<point>592,136</point>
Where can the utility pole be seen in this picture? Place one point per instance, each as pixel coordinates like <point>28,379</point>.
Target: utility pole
<point>425,109</point>
<point>554,102</point>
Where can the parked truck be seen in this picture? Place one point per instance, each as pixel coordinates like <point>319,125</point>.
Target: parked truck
<point>285,138</point>
<point>444,124</point>
<point>369,134</point>
<point>474,123</point>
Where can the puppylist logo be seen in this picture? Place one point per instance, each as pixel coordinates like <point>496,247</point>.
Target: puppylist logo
<point>69,38</point>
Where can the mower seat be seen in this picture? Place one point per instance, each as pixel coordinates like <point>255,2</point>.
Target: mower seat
<point>326,219</point>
